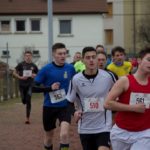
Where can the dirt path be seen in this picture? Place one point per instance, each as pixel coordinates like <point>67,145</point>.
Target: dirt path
<point>15,135</point>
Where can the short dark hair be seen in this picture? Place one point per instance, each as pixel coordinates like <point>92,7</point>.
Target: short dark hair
<point>103,54</point>
<point>118,49</point>
<point>27,52</point>
<point>99,46</point>
<point>78,53</point>
<point>57,46</point>
<point>143,52</point>
<point>87,49</point>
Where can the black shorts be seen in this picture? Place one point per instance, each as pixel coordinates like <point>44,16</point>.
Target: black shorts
<point>93,141</point>
<point>51,114</point>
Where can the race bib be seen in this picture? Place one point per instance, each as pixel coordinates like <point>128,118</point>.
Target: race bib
<point>27,73</point>
<point>136,98</point>
<point>93,104</point>
<point>57,96</point>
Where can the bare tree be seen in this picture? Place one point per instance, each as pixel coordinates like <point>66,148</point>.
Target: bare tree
<point>144,25</point>
<point>144,31</point>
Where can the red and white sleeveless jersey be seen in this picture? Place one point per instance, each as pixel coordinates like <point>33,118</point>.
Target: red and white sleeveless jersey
<point>136,93</point>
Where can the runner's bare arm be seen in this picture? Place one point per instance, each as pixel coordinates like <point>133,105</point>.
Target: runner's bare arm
<point>111,101</point>
<point>77,115</point>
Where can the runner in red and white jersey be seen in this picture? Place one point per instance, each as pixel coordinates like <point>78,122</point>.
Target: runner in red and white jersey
<point>130,96</point>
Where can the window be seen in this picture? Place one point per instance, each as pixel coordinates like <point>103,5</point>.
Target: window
<point>5,54</point>
<point>108,36</point>
<point>110,9</point>
<point>20,25</point>
<point>35,25</point>
<point>5,26</point>
<point>36,53</point>
<point>68,53</point>
<point>65,26</point>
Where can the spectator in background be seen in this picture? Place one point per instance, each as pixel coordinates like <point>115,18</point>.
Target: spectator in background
<point>119,66</point>
<point>26,72</point>
<point>77,57</point>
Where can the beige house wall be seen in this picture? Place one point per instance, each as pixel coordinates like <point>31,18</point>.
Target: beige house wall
<point>130,28</point>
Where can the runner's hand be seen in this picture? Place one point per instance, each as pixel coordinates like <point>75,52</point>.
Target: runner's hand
<point>77,115</point>
<point>55,86</point>
<point>139,108</point>
<point>33,75</point>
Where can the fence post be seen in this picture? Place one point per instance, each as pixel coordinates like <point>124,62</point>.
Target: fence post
<point>11,91</point>
<point>1,95</point>
<point>16,87</point>
<point>5,94</point>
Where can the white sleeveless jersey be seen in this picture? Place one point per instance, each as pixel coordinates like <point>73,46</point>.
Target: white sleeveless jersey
<point>89,94</point>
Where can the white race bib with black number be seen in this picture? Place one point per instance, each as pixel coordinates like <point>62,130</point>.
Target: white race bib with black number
<point>27,73</point>
<point>136,98</point>
<point>93,104</point>
<point>57,96</point>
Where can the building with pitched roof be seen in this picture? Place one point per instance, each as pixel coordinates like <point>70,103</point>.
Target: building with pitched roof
<point>24,25</point>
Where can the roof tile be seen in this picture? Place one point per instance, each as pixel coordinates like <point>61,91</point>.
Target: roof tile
<point>59,6</point>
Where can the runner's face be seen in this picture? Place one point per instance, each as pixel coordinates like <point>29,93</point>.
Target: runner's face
<point>90,60</point>
<point>119,57</point>
<point>100,49</point>
<point>101,61</point>
<point>60,56</point>
<point>144,64</point>
<point>28,57</point>
<point>77,57</point>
